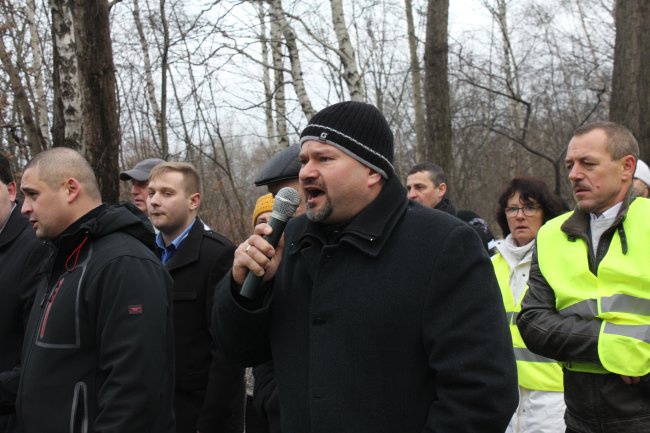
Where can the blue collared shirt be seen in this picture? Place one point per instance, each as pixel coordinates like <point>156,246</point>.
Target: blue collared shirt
<point>169,250</point>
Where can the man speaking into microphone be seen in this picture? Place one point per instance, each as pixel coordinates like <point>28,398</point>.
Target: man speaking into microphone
<point>381,315</point>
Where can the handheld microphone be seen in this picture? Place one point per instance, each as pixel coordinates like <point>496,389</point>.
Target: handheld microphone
<point>284,206</point>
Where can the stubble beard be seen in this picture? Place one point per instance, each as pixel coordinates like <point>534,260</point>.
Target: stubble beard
<point>319,215</point>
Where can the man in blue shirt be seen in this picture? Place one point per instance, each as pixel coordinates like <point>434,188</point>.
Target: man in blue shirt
<point>209,395</point>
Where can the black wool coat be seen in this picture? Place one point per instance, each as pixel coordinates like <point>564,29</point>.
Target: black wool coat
<point>210,392</point>
<point>21,259</point>
<point>395,324</point>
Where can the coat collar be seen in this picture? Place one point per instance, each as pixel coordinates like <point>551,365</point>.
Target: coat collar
<point>578,223</point>
<point>16,223</point>
<point>189,250</point>
<point>371,228</point>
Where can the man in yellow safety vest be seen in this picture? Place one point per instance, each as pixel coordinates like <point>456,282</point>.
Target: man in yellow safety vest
<point>588,303</point>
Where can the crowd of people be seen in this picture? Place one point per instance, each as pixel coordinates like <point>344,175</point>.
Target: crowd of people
<point>383,308</point>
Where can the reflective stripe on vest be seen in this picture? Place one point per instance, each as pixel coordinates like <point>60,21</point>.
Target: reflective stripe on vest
<point>619,294</point>
<point>534,371</point>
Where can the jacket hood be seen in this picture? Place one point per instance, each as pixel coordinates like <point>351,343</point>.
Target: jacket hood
<point>124,217</point>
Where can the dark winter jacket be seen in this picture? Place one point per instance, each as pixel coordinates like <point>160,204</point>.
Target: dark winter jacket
<point>21,258</point>
<point>394,325</point>
<point>98,352</point>
<point>596,403</point>
<point>445,205</point>
<point>209,394</point>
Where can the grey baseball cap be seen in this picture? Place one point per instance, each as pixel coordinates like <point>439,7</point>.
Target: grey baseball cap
<point>141,170</point>
<point>282,166</point>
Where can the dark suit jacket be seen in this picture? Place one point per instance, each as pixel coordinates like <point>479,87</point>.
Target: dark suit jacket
<point>21,255</point>
<point>209,394</point>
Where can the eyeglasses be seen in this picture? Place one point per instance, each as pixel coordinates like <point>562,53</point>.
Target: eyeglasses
<point>528,210</point>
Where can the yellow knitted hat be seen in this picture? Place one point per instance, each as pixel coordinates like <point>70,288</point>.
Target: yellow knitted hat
<point>263,204</point>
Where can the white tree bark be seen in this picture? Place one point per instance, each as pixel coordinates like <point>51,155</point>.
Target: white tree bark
<point>71,95</point>
<point>148,70</point>
<point>346,53</point>
<point>294,57</point>
<point>37,64</point>
<point>266,79</point>
<point>280,103</point>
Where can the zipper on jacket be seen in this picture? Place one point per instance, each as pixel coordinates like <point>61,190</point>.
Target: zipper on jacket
<point>79,413</point>
<point>50,301</point>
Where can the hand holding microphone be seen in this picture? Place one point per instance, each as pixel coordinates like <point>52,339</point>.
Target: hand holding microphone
<point>285,204</point>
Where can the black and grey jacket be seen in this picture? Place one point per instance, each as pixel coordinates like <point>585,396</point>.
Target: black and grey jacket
<point>98,352</point>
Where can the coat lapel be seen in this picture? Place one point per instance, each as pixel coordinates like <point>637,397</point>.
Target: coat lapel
<point>188,252</point>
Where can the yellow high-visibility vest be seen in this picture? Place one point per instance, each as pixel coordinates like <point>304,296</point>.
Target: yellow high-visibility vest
<point>534,371</point>
<point>619,294</point>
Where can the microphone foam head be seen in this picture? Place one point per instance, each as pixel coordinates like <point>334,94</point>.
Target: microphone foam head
<point>286,202</point>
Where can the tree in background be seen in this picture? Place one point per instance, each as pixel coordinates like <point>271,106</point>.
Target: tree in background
<point>518,82</point>
<point>85,104</point>
<point>436,85</point>
<point>630,102</point>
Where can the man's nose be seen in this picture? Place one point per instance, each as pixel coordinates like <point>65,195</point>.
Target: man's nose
<point>306,171</point>
<point>26,208</point>
<point>575,173</point>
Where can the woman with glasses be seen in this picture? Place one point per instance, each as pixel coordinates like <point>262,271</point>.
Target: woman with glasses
<point>524,206</point>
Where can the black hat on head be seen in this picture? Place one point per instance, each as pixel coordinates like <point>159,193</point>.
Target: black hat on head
<point>283,165</point>
<point>358,129</point>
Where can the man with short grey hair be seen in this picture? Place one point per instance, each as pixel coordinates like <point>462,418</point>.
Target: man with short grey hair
<point>587,305</point>
<point>139,177</point>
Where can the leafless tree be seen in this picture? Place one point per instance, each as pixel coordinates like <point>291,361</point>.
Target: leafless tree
<point>630,102</point>
<point>438,119</point>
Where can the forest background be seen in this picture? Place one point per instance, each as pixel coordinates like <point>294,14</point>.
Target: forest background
<point>488,89</point>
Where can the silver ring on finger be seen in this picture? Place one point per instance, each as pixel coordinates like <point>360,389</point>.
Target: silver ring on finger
<point>248,247</point>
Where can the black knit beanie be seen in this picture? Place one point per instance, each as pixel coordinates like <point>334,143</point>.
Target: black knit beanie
<point>358,129</point>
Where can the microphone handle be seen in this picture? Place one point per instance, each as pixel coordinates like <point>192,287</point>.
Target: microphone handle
<point>252,283</point>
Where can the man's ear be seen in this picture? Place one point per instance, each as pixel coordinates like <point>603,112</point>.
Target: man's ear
<point>628,168</point>
<point>373,178</point>
<point>443,189</point>
<point>195,201</point>
<point>11,187</point>
<point>73,189</point>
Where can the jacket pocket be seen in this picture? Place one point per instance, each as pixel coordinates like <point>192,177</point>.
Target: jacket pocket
<point>79,412</point>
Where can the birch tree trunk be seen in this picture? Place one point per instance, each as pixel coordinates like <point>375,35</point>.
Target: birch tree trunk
<point>294,57</point>
<point>416,80</point>
<point>280,103</point>
<point>148,73</point>
<point>67,125</point>
<point>266,80</point>
<point>346,53</point>
<point>85,88</point>
<point>630,101</point>
<point>437,86</point>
